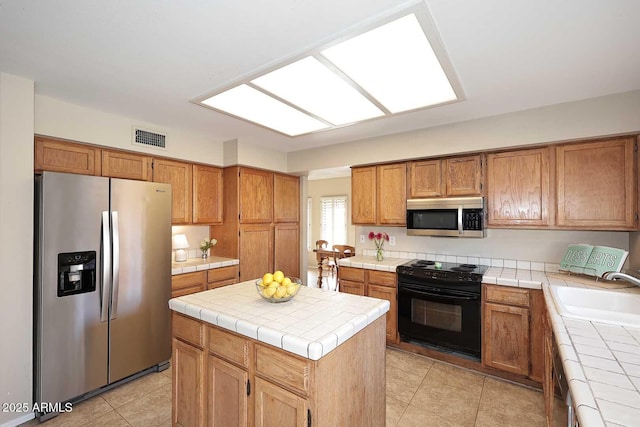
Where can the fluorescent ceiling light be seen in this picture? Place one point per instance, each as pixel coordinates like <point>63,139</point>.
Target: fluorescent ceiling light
<point>387,70</point>
<point>313,87</point>
<point>395,64</point>
<point>251,104</point>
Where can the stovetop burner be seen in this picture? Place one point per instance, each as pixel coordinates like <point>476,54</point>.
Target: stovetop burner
<point>442,271</point>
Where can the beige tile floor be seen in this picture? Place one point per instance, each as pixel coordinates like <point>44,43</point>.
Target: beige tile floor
<point>420,392</point>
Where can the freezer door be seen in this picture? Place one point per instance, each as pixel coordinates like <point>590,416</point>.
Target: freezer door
<point>71,341</point>
<point>140,318</point>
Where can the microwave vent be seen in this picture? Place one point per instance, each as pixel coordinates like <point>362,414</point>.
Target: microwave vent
<point>149,139</point>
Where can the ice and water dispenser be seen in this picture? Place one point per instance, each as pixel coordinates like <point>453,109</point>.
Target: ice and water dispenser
<point>76,273</point>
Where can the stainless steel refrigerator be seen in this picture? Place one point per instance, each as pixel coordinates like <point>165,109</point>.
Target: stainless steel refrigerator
<point>102,283</point>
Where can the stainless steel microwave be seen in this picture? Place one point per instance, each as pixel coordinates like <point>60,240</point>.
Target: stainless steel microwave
<point>450,216</point>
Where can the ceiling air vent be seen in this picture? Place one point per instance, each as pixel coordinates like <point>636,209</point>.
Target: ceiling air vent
<point>149,139</point>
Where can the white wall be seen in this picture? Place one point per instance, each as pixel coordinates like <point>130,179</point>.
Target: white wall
<point>241,153</point>
<point>16,237</point>
<point>317,189</point>
<point>69,121</point>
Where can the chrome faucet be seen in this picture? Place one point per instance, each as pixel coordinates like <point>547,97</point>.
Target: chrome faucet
<point>615,275</point>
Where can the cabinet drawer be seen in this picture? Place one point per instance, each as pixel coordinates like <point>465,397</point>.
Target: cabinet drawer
<point>188,280</point>
<point>229,346</point>
<point>348,287</point>
<point>187,329</point>
<point>382,278</point>
<point>353,274</point>
<point>221,283</point>
<point>282,368</point>
<point>507,295</point>
<point>222,273</point>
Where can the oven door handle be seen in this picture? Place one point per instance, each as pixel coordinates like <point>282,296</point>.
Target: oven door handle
<point>441,296</point>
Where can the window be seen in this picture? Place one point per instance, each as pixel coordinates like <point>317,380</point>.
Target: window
<point>333,220</point>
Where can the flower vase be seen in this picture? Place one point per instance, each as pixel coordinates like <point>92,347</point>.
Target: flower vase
<point>379,254</point>
<point>205,254</point>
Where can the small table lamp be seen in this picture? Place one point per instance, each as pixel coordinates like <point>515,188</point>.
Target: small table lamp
<point>179,242</point>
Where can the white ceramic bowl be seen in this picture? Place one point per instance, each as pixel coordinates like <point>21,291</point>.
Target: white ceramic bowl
<point>290,292</point>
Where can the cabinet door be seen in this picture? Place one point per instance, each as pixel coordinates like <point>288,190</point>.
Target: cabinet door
<point>286,254</point>
<point>349,287</point>
<point>392,194</point>
<point>363,195</point>
<point>116,164</point>
<point>463,176</point>
<point>207,195</point>
<point>227,400</point>
<point>256,196</point>
<point>188,283</point>
<point>596,186</point>
<point>518,188</point>
<point>286,198</point>
<point>505,339</point>
<point>538,312</point>
<point>391,295</point>
<point>60,156</point>
<point>277,407</point>
<point>256,251</point>
<point>188,385</point>
<point>425,179</point>
<point>178,174</point>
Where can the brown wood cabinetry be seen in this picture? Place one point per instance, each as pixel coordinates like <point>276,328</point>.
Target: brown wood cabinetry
<point>229,379</point>
<point>207,195</point>
<point>512,338</point>
<point>597,186</point>
<point>260,223</point>
<point>455,176</point>
<point>518,188</point>
<point>118,164</point>
<point>378,194</point>
<point>62,156</point>
<point>179,175</point>
<point>376,284</point>
<point>223,276</point>
<point>188,283</point>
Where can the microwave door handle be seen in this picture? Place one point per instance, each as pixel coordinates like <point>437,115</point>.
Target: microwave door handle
<point>460,231</point>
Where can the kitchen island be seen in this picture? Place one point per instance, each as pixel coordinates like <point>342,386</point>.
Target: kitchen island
<point>316,360</point>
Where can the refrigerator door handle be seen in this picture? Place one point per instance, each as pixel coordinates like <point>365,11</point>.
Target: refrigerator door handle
<point>105,283</point>
<point>116,264</point>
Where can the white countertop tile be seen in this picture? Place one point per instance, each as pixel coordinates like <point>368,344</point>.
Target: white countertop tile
<point>199,264</point>
<point>311,325</point>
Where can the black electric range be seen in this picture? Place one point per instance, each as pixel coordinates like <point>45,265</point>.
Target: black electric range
<point>445,275</point>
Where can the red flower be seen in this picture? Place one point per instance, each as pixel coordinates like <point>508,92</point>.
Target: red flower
<point>371,235</point>
<point>379,236</point>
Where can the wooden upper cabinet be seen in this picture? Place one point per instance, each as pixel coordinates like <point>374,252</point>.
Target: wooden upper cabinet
<point>61,156</point>
<point>256,196</point>
<point>178,174</point>
<point>391,193</point>
<point>456,176</point>
<point>117,164</point>
<point>286,198</point>
<point>363,195</point>
<point>425,179</point>
<point>518,188</point>
<point>596,184</point>
<point>207,195</point>
<point>463,176</point>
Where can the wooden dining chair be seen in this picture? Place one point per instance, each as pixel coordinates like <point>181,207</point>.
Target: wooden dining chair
<point>327,261</point>
<point>342,251</point>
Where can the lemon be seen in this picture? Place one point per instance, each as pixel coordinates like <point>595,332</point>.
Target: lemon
<point>270,290</point>
<point>292,288</point>
<point>278,276</point>
<point>286,281</point>
<point>266,279</point>
<point>281,292</point>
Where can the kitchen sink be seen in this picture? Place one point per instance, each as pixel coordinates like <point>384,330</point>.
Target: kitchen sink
<point>618,308</point>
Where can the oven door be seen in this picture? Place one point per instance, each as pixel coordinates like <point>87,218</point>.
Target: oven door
<point>448,319</point>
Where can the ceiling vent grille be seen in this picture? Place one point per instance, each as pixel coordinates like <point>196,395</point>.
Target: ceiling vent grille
<point>149,139</point>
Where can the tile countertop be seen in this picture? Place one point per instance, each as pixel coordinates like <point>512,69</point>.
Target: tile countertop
<point>370,263</point>
<point>197,264</point>
<point>310,325</point>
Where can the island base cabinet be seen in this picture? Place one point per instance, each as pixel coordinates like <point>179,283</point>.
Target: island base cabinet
<point>227,394</point>
<point>188,375</point>
<point>277,407</point>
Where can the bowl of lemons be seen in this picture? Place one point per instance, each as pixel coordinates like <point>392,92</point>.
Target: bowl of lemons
<point>276,287</point>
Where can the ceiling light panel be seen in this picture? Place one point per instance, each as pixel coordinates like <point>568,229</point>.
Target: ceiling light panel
<point>251,104</point>
<point>313,87</point>
<point>395,64</point>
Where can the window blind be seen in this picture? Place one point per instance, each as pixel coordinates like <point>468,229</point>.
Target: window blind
<point>333,220</point>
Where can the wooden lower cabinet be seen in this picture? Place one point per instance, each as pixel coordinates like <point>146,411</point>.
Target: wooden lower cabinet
<point>512,332</point>
<point>223,276</point>
<point>376,284</point>
<point>221,378</point>
<point>188,283</point>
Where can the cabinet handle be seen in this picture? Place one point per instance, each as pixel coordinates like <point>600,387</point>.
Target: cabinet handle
<point>308,417</point>
<point>248,387</point>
